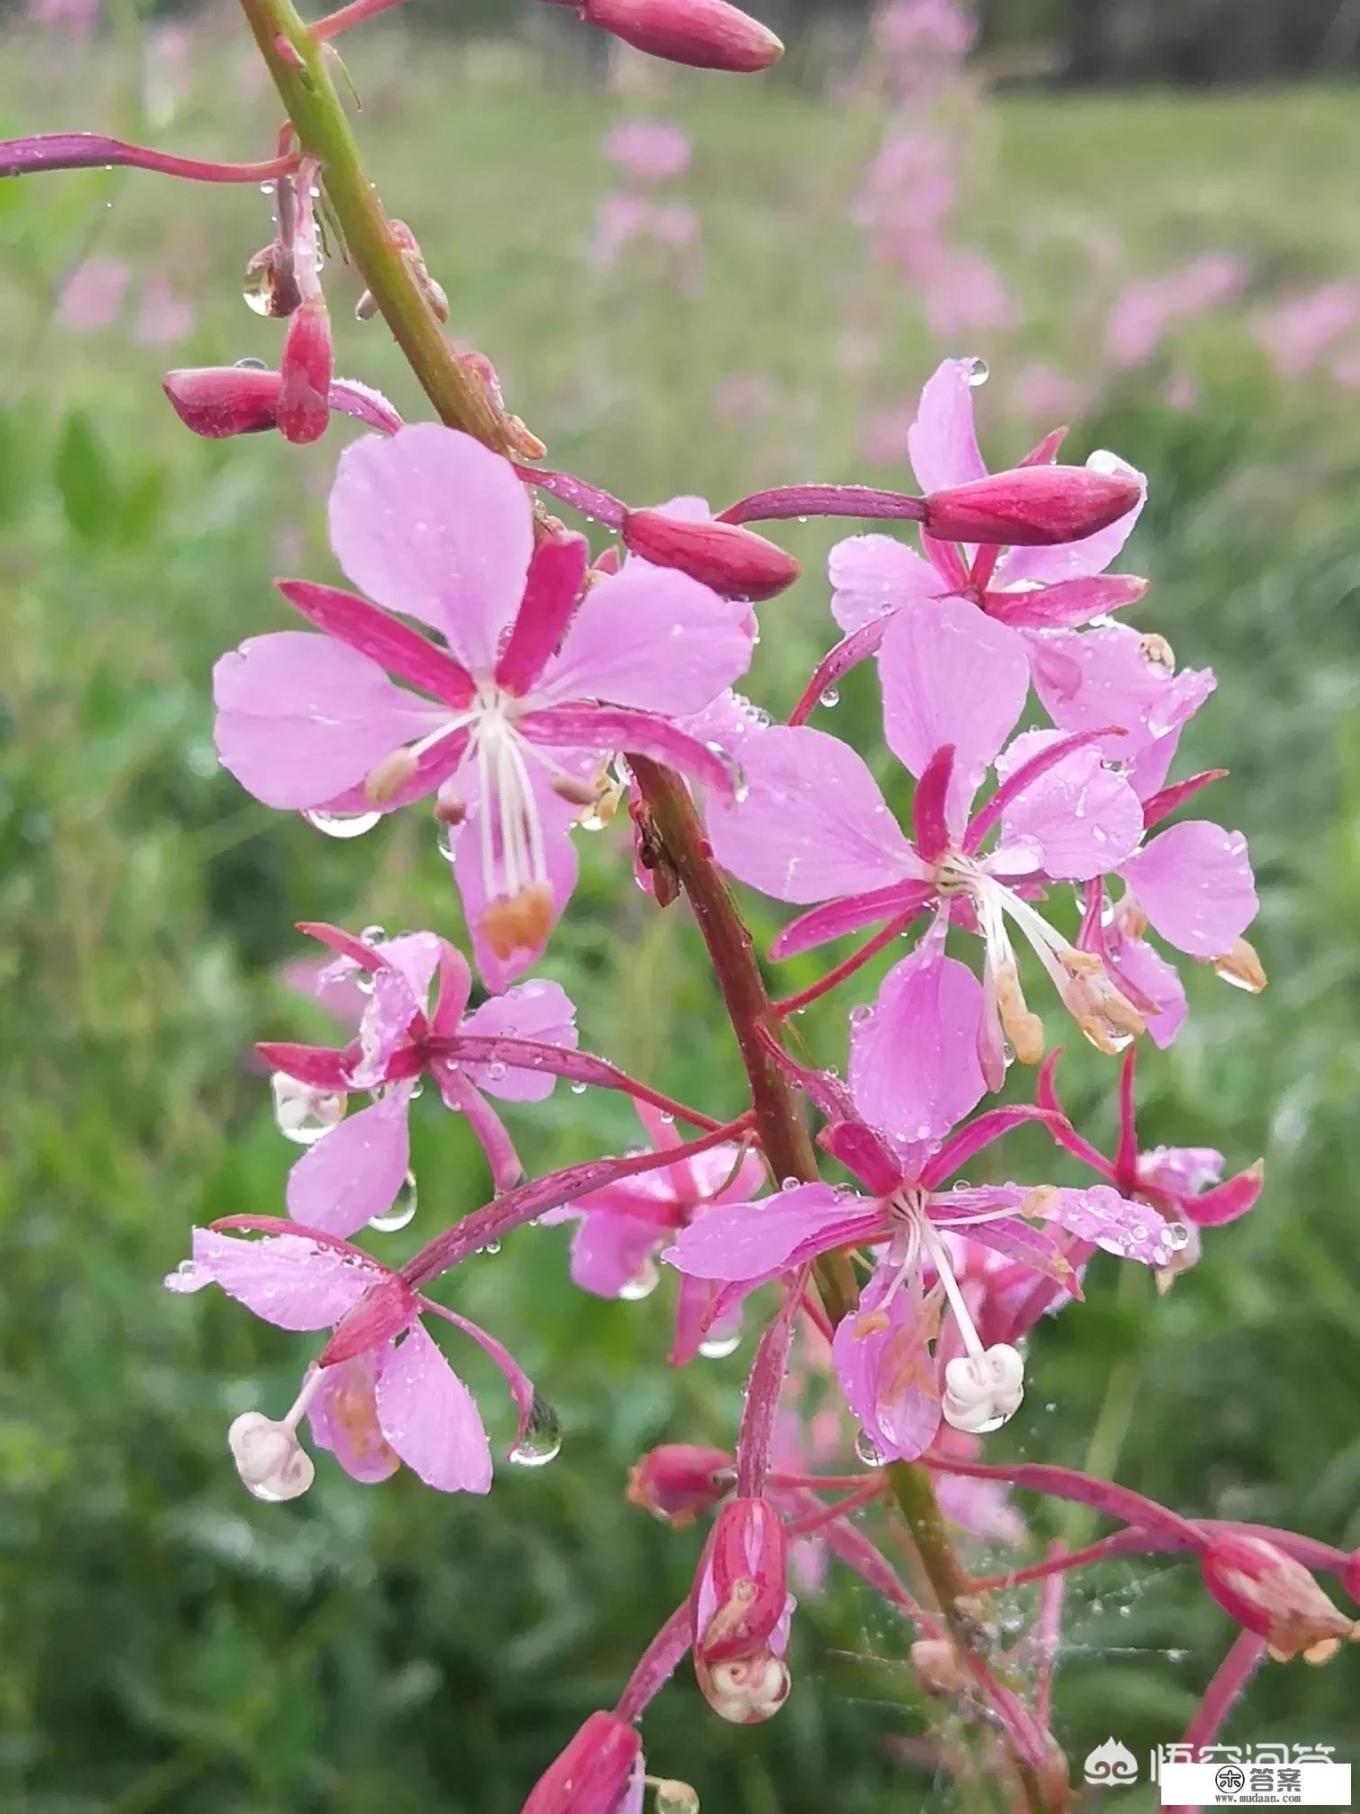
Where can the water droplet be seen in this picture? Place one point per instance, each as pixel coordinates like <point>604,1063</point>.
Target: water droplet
<point>266,188</point>
<point>542,1438</point>
<point>642,1284</point>
<point>674,1797</point>
<point>789,1183</point>
<point>304,1114</point>
<point>1176,1235</point>
<point>342,825</point>
<point>867,1450</point>
<point>667,1118</point>
<point>250,365</point>
<point>402,1210</point>
<point>579,1088</point>
<point>373,935</point>
<point>444,843</point>
<point>831,696</point>
<point>491,1247</point>
<point>978,372</point>
<point>859,1015</point>
<point>258,288</point>
<point>495,1071</point>
<point>718,1347</point>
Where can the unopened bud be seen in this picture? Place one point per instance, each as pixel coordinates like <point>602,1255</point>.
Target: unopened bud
<point>597,1773</point>
<point>305,370</point>
<point>1270,1593</point>
<point>730,559</point>
<point>221,400</point>
<point>740,1607</point>
<point>1240,966</point>
<point>983,1391</point>
<point>679,1480</point>
<point>271,1461</point>
<point>705,34</point>
<point>1031,506</point>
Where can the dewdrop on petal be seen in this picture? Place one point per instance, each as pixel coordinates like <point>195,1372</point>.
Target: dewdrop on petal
<point>985,1390</point>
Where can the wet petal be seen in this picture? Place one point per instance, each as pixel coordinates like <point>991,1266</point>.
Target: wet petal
<point>538,1010</point>
<point>747,1240</point>
<point>884,1365</point>
<point>812,824</point>
<point>302,718</point>
<point>430,522</point>
<point>354,1172</point>
<point>285,1279</point>
<point>1153,979</point>
<point>429,1416</point>
<point>873,574</point>
<point>610,1251</point>
<point>914,1068</point>
<point>1194,882</point>
<point>941,441</point>
<point>1082,818</point>
<point>1100,1214</point>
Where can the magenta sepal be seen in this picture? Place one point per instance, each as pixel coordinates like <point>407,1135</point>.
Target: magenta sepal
<point>91,150</point>
<point>741,1585</point>
<point>763,1388</point>
<point>657,1664</point>
<point>593,1774</point>
<point>559,1061</point>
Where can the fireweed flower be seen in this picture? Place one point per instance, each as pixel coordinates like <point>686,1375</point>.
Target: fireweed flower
<point>813,825</point>
<point>599,1772</point>
<point>1182,1184</point>
<point>1270,1593</point>
<point>354,1171</point>
<point>539,678</point>
<point>679,1480</point>
<point>622,1226</point>
<point>388,1397</point>
<point>741,1611</point>
<point>914,1066</point>
<point>1025,588</point>
<point>649,151</point>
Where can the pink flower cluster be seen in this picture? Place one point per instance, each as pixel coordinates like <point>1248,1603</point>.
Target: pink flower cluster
<point>648,155</point>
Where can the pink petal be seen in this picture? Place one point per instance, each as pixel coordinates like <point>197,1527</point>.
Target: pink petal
<point>1115,1224</point>
<point>610,1251</point>
<point>812,824</point>
<point>460,1095</point>
<point>873,574</point>
<point>652,638</point>
<point>354,1172</point>
<point>430,1418</point>
<point>914,1067</point>
<point>557,572</point>
<point>285,1279</point>
<point>941,441</point>
<point>538,1010</point>
<point>951,675</point>
<point>748,1240</point>
<point>302,718</point>
<point>885,1370</point>
<point>344,1419</point>
<point>417,955</point>
<point>1106,677</point>
<point>1081,817</point>
<point>1194,883</point>
<point>431,523</point>
<point>602,729</point>
<point>848,915</point>
<point>1153,979</point>
<point>1076,560</point>
<point>395,647</point>
<point>1181,1170</point>
<point>391,1017</point>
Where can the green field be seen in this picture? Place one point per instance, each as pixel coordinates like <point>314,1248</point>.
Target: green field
<point>167,1643</point>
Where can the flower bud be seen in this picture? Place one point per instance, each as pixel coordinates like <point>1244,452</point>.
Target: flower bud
<point>222,400</point>
<point>679,1480</point>
<point>305,371</point>
<point>1270,1593</point>
<point>706,34</point>
<point>595,1774</point>
<point>733,560</point>
<point>1031,506</point>
<point>271,1461</point>
<point>741,1609</point>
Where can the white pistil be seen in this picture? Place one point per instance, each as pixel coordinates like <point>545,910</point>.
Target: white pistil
<point>271,1461</point>
<point>984,1387</point>
<point>514,861</point>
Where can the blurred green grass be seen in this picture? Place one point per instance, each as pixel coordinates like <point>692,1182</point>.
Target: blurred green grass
<point>168,1643</point>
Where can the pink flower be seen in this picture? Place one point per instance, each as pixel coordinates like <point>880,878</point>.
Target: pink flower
<point>390,1398</point>
<point>599,1772</point>
<point>353,1172</point>
<point>539,678</point>
<point>814,827</point>
<point>622,1226</point>
<point>1297,333</point>
<point>679,1480</point>
<point>162,317</point>
<point>913,1071</point>
<point>1268,1592</point>
<point>1147,309</point>
<point>93,294</point>
<point>649,151</point>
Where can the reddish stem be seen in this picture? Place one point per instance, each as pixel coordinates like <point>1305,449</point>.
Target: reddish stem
<point>564,1061</point>
<point>91,150</point>
<point>657,1664</point>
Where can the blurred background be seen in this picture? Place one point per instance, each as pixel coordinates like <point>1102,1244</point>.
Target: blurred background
<point>1142,215</point>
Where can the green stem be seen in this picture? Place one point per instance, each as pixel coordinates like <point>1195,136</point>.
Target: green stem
<point>313,104</point>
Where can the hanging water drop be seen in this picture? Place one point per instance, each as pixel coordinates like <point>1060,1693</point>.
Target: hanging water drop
<point>831,696</point>
<point>342,825</point>
<point>978,372</point>
<point>304,1114</point>
<point>250,365</point>
<point>402,1210</point>
<point>867,1450</point>
<point>720,1344</point>
<point>642,1284</point>
<point>258,288</point>
<point>1176,1236</point>
<point>541,1441</point>
<point>674,1797</point>
<point>578,1088</point>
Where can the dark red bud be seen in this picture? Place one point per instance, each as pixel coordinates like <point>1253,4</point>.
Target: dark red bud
<point>1031,506</point>
<point>593,1775</point>
<point>735,562</point>
<point>305,369</point>
<point>679,1480</point>
<point>222,400</point>
<point>706,34</point>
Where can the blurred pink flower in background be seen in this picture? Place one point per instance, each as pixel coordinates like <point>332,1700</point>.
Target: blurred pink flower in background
<point>921,39</point>
<point>166,68</point>
<point>884,439</point>
<point>78,16</point>
<point>163,318</point>
<point>743,396</point>
<point>1297,333</point>
<point>1042,392</point>
<point>1147,309</point>
<point>648,151</point>
<point>966,295</point>
<point>93,294</point>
